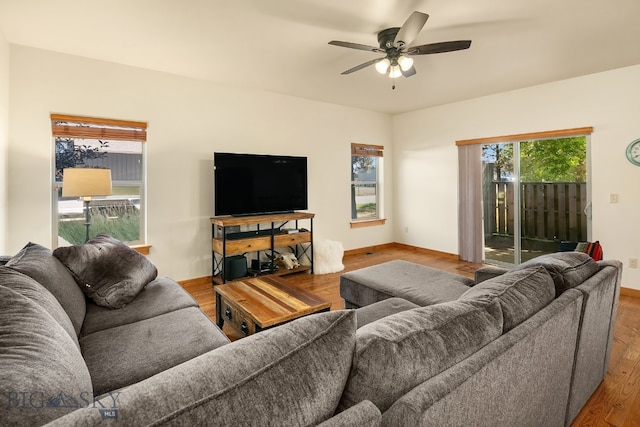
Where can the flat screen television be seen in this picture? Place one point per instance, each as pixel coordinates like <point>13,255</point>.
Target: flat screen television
<point>254,184</point>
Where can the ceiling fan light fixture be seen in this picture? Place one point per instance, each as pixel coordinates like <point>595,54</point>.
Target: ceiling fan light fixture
<point>394,71</point>
<point>405,62</point>
<point>383,66</point>
<point>396,43</point>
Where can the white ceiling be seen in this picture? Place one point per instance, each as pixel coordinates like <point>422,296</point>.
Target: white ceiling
<point>281,45</point>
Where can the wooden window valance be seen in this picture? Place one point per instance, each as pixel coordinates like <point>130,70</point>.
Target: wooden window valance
<point>68,126</point>
<point>366,150</point>
<point>563,133</point>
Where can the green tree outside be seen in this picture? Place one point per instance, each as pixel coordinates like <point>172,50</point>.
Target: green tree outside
<point>552,160</point>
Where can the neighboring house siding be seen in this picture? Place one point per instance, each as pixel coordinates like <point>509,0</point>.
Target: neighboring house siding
<point>124,167</point>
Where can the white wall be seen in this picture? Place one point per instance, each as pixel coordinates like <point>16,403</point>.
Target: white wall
<point>4,139</point>
<point>188,121</point>
<point>426,156</point>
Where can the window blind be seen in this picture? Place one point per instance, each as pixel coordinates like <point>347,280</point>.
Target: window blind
<point>551,134</point>
<point>69,126</point>
<point>366,150</point>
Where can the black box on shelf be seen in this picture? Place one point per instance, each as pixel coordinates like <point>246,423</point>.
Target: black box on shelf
<point>235,267</point>
<point>260,265</point>
<point>232,229</point>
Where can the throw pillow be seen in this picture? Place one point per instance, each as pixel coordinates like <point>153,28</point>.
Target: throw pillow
<point>107,270</point>
<point>38,262</point>
<point>327,256</point>
<point>395,354</point>
<point>567,269</point>
<point>521,294</point>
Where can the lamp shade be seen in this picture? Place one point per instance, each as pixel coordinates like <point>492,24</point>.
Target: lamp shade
<point>405,62</point>
<point>394,71</point>
<point>383,66</point>
<point>86,182</point>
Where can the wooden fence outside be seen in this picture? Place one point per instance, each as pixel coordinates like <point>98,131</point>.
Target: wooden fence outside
<point>550,210</point>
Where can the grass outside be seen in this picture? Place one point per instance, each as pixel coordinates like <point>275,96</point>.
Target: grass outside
<point>125,228</point>
<point>366,210</point>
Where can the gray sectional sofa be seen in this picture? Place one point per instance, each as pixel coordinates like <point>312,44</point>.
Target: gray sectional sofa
<point>512,350</point>
<point>59,349</point>
<point>535,360</point>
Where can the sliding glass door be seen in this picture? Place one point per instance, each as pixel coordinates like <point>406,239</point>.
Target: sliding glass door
<point>499,203</point>
<point>535,195</point>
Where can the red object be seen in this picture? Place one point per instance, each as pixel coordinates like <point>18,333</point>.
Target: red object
<point>594,250</point>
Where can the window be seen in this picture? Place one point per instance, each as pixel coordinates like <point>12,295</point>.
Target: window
<point>534,197</point>
<point>83,142</point>
<point>550,172</point>
<point>366,171</point>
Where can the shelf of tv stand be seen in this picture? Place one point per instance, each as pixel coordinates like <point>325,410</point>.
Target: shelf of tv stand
<point>263,242</point>
<point>228,220</point>
<point>259,243</point>
<point>217,280</point>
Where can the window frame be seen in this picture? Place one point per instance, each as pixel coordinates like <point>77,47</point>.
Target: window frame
<point>358,149</point>
<point>83,127</point>
<point>470,224</point>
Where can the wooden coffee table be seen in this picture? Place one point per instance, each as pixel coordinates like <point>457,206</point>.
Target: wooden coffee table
<point>251,305</point>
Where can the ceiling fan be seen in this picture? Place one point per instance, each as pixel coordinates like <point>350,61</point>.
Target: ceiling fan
<point>395,43</point>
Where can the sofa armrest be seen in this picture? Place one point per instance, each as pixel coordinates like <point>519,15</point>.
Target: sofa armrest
<point>364,413</point>
<point>488,272</point>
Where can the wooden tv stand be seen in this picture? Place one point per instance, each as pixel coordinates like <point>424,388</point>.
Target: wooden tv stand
<point>258,239</point>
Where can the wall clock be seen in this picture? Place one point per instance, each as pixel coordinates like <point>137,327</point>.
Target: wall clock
<point>633,152</point>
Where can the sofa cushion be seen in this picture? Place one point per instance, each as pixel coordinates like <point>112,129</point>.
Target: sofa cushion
<point>364,413</point>
<point>380,309</point>
<point>398,352</point>
<point>107,270</point>
<point>126,354</point>
<point>290,375</point>
<point>34,291</point>
<point>38,262</point>
<point>43,373</point>
<point>521,294</point>
<point>161,296</point>
<point>414,282</point>
<point>568,269</point>
<point>487,272</point>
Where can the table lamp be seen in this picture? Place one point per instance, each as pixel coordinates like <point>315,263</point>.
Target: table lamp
<point>85,183</point>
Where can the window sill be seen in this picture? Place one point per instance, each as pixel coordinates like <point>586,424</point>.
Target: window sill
<point>143,249</point>
<point>367,223</point>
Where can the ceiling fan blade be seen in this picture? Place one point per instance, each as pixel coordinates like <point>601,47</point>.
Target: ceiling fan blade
<point>361,66</point>
<point>410,29</point>
<point>441,47</point>
<point>410,72</point>
<point>356,46</point>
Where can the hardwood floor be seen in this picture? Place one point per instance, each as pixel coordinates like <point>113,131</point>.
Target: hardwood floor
<point>616,402</point>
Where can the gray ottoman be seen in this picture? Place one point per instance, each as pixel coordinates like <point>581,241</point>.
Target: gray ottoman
<point>413,282</point>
